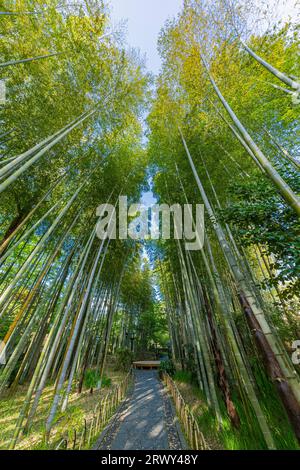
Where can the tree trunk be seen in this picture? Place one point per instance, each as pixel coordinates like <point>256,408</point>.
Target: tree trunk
<point>288,398</point>
<point>12,227</point>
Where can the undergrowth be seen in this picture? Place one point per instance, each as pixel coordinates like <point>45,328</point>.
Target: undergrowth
<point>248,436</point>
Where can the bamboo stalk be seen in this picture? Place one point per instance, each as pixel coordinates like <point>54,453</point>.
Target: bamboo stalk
<point>283,188</point>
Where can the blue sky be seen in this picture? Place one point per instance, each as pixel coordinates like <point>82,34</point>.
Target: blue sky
<point>147,17</point>
<point>145,20</point>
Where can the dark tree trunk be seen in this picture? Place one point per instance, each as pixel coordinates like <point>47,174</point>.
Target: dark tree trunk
<point>13,226</point>
<point>84,367</point>
<point>222,376</point>
<point>285,392</point>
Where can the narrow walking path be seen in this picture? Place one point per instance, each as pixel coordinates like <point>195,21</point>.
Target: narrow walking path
<point>146,421</point>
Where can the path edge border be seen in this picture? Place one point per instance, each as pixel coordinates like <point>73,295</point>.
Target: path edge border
<point>183,440</point>
<point>111,422</point>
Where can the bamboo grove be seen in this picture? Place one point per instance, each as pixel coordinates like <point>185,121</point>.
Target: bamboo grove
<point>222,131</point>
<point>70,141</point>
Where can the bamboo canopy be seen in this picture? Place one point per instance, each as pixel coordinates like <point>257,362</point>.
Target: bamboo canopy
<point>217,134</point>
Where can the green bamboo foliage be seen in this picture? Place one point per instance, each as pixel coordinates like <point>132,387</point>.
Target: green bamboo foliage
<point>39,246</point>
<point>280,75</point>
<point>283,151</point>
<point>289,196</point>
<point>52,141</point>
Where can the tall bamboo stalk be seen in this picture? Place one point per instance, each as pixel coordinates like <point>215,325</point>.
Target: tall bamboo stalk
<point>289,196</point>
<point>280,75</point>
<point>277,360</point>
<point>30,59</point>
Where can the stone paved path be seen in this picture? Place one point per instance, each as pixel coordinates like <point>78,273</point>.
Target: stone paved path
<point>146,422</point>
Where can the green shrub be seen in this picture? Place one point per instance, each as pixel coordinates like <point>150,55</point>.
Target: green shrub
<point>183,376</point>
<point>124,359</point>
<point>105,382</point>
<point>91,379</point>
<point>167,366</point>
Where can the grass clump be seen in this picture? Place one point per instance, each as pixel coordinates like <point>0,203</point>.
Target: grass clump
<point>183,376</point>
<point>167,366</point>
<point>248,436</point>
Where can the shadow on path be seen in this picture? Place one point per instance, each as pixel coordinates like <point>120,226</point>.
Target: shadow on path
<point>146,422</point>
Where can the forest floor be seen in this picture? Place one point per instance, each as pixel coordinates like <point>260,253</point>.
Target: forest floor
<point>226,437</point>
<point>80,406</point>
<point>145,421</point>
<point>191,396</point>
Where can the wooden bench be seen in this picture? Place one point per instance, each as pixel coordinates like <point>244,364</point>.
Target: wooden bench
<point>149,365</point>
